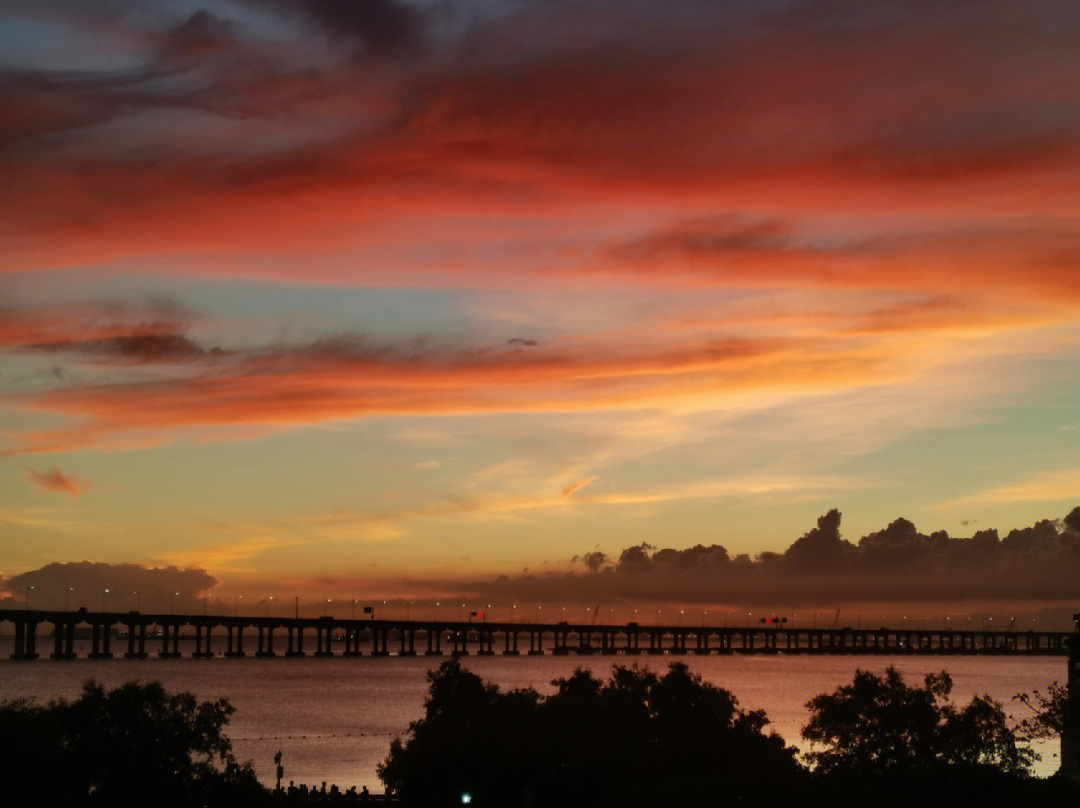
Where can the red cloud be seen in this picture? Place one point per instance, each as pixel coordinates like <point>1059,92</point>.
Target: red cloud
<point>807,113</point>
<point>54,481</point>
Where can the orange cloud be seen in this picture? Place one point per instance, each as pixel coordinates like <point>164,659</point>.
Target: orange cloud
<point>54,481</point>
<point>306,387</point>
<point>573,488</point>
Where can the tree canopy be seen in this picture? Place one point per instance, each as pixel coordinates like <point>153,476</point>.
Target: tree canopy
<point>635,739</point>
<point>135,745</point>
<point>1047,718</point>
<point>880,724</point>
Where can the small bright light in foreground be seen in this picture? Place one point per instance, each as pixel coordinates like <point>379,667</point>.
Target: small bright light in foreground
<point>466,798</point>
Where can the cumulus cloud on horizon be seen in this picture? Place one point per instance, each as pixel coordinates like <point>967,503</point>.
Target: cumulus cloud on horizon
<point>898,564</point>
<point>116,587</point>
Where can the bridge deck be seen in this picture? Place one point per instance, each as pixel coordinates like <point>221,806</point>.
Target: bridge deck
<point>329,636</point>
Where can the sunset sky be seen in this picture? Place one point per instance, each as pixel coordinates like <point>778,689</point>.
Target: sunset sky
<point>386,297</point>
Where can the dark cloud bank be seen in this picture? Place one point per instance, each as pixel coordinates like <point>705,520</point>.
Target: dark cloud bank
<point>1034,570</point>
<point>150,589</point>
<point>1037,566</point>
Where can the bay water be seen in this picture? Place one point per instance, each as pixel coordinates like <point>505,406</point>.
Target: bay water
<point>333,718</point>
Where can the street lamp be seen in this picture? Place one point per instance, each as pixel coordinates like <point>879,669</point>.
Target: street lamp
<point>27,590</point>
<point>67,592</point>
<point>103,594</point>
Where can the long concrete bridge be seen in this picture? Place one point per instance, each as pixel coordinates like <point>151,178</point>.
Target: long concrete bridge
<point>136,635</point>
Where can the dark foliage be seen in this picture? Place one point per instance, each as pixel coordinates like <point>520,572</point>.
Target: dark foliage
<point>955,786</point>
<point>1047,719</point>
<point>135,745</point>
<point>881,725</point>
<point>637,739</point>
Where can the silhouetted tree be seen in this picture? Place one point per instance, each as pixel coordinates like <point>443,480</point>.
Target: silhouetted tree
<point>635,740</point>
<point>1048,712</point>
<point>134,745</point>
<point>879,724</point>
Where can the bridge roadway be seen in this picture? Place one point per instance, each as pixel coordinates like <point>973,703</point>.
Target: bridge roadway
<point>134,632</point>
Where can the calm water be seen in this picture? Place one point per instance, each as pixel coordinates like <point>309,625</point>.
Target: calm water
<point>333,719</point>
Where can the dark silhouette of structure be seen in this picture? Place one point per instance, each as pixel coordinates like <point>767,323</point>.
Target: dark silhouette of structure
<point>1070,735</point>
<point>285,636</point>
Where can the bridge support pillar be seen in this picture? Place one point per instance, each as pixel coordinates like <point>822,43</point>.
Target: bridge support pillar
<point>408,642</point>
<point>234,649</point>
<point>295,641</point>
<point>562,642</point>
<point>25,639</point>
<point>63,640</point>
<point>266,642</point>
<point>460,640</point>
<point>203,649</point>
<point>322,641</point>
<point>136,640</point>
<point>656,643</point>
<point>510,642</point>
<point>100,637</point>
<point>536,643</point>
<point>380,642</point>
<point>434,643</point>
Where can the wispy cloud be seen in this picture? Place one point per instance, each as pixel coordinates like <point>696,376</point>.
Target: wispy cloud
<point>1053,485</point>
<point>322,383</point>
<point>55,481</point>
<point>577,486</point>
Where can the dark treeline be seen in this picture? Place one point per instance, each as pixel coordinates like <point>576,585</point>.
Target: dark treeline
<point>643,740</point>
<point>635,740</point>
<point>132,746</point>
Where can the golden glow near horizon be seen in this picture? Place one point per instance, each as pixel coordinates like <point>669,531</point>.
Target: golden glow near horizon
<point>405,301</point>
